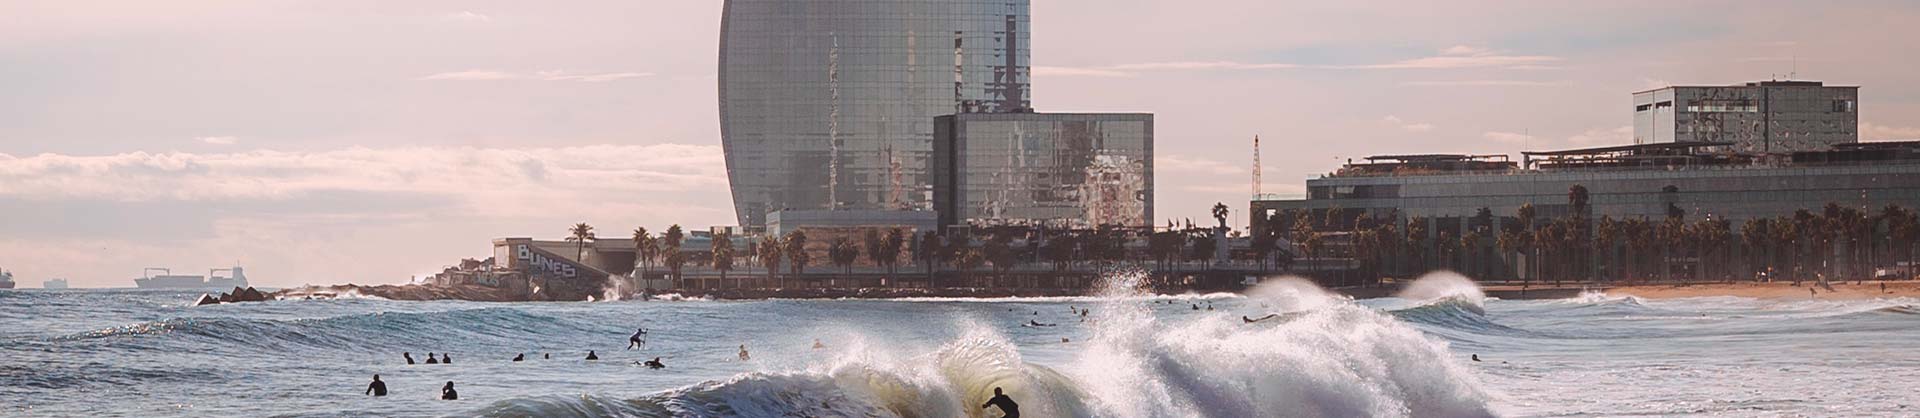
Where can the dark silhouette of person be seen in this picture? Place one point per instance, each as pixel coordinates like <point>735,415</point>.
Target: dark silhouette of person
<point>743,353</point>
<point>409,357</point>
<point>377,388</point>
<point>592,356</point>
<point>446,359</point>
<point>431,360</point>
<point>655,364</point>
<point>519,357</point>
<point>1476,357</point>
<point>447,393</point>
<point>1032,322</point>
<point>547,356</point>
<point>637,339</point>
<point>1196,306</point>
<point>1008,408</point>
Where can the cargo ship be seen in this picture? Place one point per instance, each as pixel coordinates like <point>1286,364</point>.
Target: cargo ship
<point>236,277</point>
<point>6,279</point>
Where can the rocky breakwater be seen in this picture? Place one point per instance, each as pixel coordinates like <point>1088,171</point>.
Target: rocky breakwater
<point>248,294</point>
<point>408,292</point>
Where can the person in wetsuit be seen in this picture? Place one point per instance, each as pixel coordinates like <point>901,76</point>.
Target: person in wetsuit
<point>520,357</point>
<point>447,393</point>
<point>592,356</point>
<point>377,388</point>
<point>431,359</point>
<point>1476,357</point>
<point>743,353</point>
<point>1008,408</point>
<point>446,359</point>
<point>638,339</point>
<point>409,357</point>
<point>655,364</point>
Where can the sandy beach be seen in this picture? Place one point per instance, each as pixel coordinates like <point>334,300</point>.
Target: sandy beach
<point>1846,290</point>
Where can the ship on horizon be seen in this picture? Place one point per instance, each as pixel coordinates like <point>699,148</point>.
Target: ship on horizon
<point>167,280</point>
<point>6,279</point>
<point>54,283</point>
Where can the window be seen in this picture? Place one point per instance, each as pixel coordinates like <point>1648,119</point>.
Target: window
<point>1843,106</point>
<point>1642,108</point>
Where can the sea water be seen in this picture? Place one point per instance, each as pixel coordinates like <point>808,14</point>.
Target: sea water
<point>149,353</point>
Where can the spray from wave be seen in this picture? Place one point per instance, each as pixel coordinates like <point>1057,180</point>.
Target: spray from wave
<point>1335,359</point>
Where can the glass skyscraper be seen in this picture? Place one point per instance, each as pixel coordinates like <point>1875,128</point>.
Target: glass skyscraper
<point>830,104</point>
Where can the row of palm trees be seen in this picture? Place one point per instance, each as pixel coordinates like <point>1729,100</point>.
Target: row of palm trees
<point>1841,240</point>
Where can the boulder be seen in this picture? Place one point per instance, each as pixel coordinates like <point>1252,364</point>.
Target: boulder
<point>206,299</point>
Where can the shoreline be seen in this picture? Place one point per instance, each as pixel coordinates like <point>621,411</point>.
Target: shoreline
<point>1758,290</point>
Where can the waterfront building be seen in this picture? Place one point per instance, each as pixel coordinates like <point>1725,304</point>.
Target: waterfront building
<point>829,104</point>
<point>1756,117</point>
<point>1067,170</point>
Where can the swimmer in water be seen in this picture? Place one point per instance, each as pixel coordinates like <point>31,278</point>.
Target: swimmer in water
<point>431,360</point>
<point>817,345</point>
<point>1476,357</point>
<point>654,364</point>
<point>520,357</point>
<point>592,356</point>
<point>447,393</point>
<point>1038,324</point>
<point>409,357</point>
<point>743,353</point>
<point>377,388</point>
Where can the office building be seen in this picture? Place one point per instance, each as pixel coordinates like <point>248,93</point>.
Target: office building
<point>1757,117</point>
<point>829,104</point>
<point>1073,170</point>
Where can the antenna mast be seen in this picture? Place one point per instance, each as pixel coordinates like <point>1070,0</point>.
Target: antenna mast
<point>1256,166</point>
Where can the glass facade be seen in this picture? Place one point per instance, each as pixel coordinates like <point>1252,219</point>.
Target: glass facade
<point>1759,117</point>
<point>829,104</point>
<point>1056,169</point>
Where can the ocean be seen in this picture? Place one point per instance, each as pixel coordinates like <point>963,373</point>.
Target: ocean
<point>150,354</point>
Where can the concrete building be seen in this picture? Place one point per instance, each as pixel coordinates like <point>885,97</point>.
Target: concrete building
<point>1074,170</point>
<point>829,104</point>
<point>1756,117</point>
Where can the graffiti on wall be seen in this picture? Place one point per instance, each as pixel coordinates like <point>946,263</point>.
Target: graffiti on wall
<point>541,263</point>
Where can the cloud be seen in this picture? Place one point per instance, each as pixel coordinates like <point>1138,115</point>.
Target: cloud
<point>1873,132</point>
<point>471,75</point>
<point>1508,137</point>
<point>551,75</point>
<point>1622,135</point>
<point>1169,163</point>
<point>1461,56</point>
<point>1481,83</point>
<point>468,16</point>
<point>1396,122</point>
<point>489,180</point>
<point>218,140</point>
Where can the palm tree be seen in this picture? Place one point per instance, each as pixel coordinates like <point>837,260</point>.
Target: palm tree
<point>642,241</point>
<point>722,252</point>
<point>1756,234</point>
<point>1059,250</point>
<point>770,256</point>
<point>581,233</point>
<point>1639,236</point>
<point>890,247</point>
<point>675,260</point>
<point>1606,234</point>
<point>999,251</point>
<point>1672,235</point>
<point>967,259</point>
<point>1220,214</point>
<point>928,252</point>
<point>796,250</point>
<point>843,252</point>
<point>1527,215</point>
<point>1712,236</point>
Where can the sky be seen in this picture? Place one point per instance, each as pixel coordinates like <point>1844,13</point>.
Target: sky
<point>372,141</point>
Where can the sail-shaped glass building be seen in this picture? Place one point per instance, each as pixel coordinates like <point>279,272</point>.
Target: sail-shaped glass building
<point>830,104</point>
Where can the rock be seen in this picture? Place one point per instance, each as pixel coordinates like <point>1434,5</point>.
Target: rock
<point>206,299</point>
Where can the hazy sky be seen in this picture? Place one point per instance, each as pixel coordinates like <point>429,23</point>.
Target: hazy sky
<point>368,141</point>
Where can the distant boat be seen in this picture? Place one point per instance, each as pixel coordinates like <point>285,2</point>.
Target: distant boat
<point>167,280</point>
<point>6,279</point>
<point>54,284</point>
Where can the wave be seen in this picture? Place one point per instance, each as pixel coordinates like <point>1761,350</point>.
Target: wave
<point>350,332</point>
<point>1341,359</point>
<point>1072,299</point>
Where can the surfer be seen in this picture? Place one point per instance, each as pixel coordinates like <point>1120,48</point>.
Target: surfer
<point>1209,306</point>
<point>446,359</point>
<point>377,388</point>
<point>1036,323</point>
<point>654,364</point>
<point>1008,408</point>
<point>592,356</point>
<point>409,357</point>
<point>817,345</point>
<point>743,353</point>
<point>431,360</point>
<point>1251,320</point>
<point>547,356</point>
<point>1196,306</point>
<point>520,357</point>
<point>1476,357</point>
<point>638,339</point>
<point>447,393</point>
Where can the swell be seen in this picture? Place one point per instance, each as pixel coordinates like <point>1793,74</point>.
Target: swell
<point>358,332</point>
